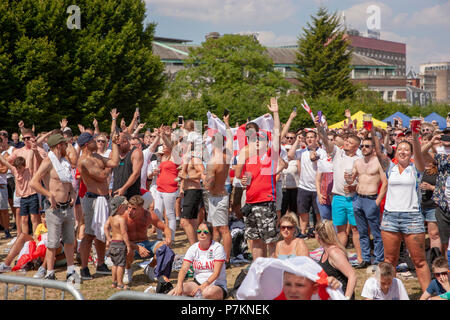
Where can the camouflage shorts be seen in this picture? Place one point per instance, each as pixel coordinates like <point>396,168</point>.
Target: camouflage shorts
<point>261,223</point>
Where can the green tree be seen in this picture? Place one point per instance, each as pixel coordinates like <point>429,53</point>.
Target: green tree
<point>323,58</point>
<point>232,72</point>
<point>49,71</point>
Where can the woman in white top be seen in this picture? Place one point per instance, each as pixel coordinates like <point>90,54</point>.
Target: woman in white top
<point>402,218</point>
<point>208,260</point>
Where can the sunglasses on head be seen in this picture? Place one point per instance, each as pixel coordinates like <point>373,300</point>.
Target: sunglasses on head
<point>286,227</point>
<point>203,231</point>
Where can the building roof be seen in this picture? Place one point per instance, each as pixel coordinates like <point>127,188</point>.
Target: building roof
<point>360,60</point>
<point>377,44</point>
<point>280,56</point>
<point>170,40</point>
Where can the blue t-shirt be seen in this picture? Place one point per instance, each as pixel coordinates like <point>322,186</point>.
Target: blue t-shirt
<point>435,288</point>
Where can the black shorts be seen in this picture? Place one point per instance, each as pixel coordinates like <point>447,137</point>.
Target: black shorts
<point>11,184</point>
<point>289,201</point>
<point>305,200</point>
<point>443,222</point>
<point>29,205</point>
<point>191,203</point>
<point>225,293</point>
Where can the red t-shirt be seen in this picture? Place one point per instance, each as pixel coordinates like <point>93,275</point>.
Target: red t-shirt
<point>262,187</point>
<point>166,178</point>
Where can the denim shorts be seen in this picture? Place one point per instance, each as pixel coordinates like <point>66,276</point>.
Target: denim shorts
<point>403,222</point>
<point>429,215</point>
<point>149,245</point>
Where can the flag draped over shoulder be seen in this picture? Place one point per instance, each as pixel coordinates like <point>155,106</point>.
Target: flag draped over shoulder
<point>215,125</point>
<point>264,280</point>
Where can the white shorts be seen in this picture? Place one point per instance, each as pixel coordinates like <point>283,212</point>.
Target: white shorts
<point>16,201</point>
<point>218,210</point>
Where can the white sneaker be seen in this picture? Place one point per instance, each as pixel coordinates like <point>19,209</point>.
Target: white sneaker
<point>4,268</point>
<point>128,276</point>
<point>40,274</point>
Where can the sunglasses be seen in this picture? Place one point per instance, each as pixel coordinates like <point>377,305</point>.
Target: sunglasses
<point>26,138</point>
<point>286,227</point>
<point>368,146</point>
<point>290,137</point>
<point>203,231</point>
<point>437,274</point>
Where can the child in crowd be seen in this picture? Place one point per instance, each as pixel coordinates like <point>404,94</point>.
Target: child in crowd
<point>440,284</point>
<point>117,244</point>
<point>384,285</point>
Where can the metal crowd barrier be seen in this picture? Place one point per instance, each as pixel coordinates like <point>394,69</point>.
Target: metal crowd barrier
<point>44,284</point>
<point>136,295</point>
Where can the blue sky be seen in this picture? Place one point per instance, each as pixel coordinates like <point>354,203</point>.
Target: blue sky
<point>423,25</point>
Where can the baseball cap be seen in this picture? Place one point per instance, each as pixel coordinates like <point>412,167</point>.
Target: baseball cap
<point>84,138</point>
<point>116,202</point>
<point>55,139</point>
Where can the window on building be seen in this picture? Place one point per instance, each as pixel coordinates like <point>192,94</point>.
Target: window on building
<point>390,94</point>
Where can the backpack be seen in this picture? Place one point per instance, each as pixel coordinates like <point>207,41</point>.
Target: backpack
<point>163,286</point>
<point>237,283</point>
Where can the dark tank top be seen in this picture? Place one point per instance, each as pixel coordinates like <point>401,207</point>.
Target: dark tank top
<point>121,174</point>
<point>333,272</point>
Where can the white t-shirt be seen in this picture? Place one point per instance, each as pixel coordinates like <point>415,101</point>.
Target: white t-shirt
<point>341,162</point>
<point>308,169</point>
<point>3,178</point>
<point>9,151</point>
<point>372,290</point>
<point>146,155</point>
<point>203,262</point>
<point>443,150</point>
<point>402,192</point>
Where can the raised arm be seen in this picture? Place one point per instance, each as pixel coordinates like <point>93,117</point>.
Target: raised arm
<point>329,145</point>
<point>288,123</point>
<point>382,158</point>
<point>114,116</point>
<point>419,162</point>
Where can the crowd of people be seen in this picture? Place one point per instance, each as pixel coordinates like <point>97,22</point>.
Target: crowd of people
<point>381,191</point>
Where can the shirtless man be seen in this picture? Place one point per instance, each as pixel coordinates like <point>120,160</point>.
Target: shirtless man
<point>138,220</point>
<point>192,192</point>
<point>94,170</point>
<point>366,205</point>
<point>33,155</point>
<point>214,182</point>
<point>61,197</point>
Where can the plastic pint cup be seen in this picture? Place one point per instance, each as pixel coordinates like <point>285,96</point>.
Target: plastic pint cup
<point>367,121</point>
<point>415,124</point>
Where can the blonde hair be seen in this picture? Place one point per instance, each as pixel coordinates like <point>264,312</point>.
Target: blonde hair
<point>326,233</point>
<point>291,218</point>
<point>385,270</point>
<point>136,200</point>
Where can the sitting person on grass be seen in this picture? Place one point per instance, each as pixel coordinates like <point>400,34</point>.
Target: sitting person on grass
<point>384,285</point>
<point>440,284</point>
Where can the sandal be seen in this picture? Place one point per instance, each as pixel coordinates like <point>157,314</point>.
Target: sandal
<point>122,287</point>
<point>114,284</point>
